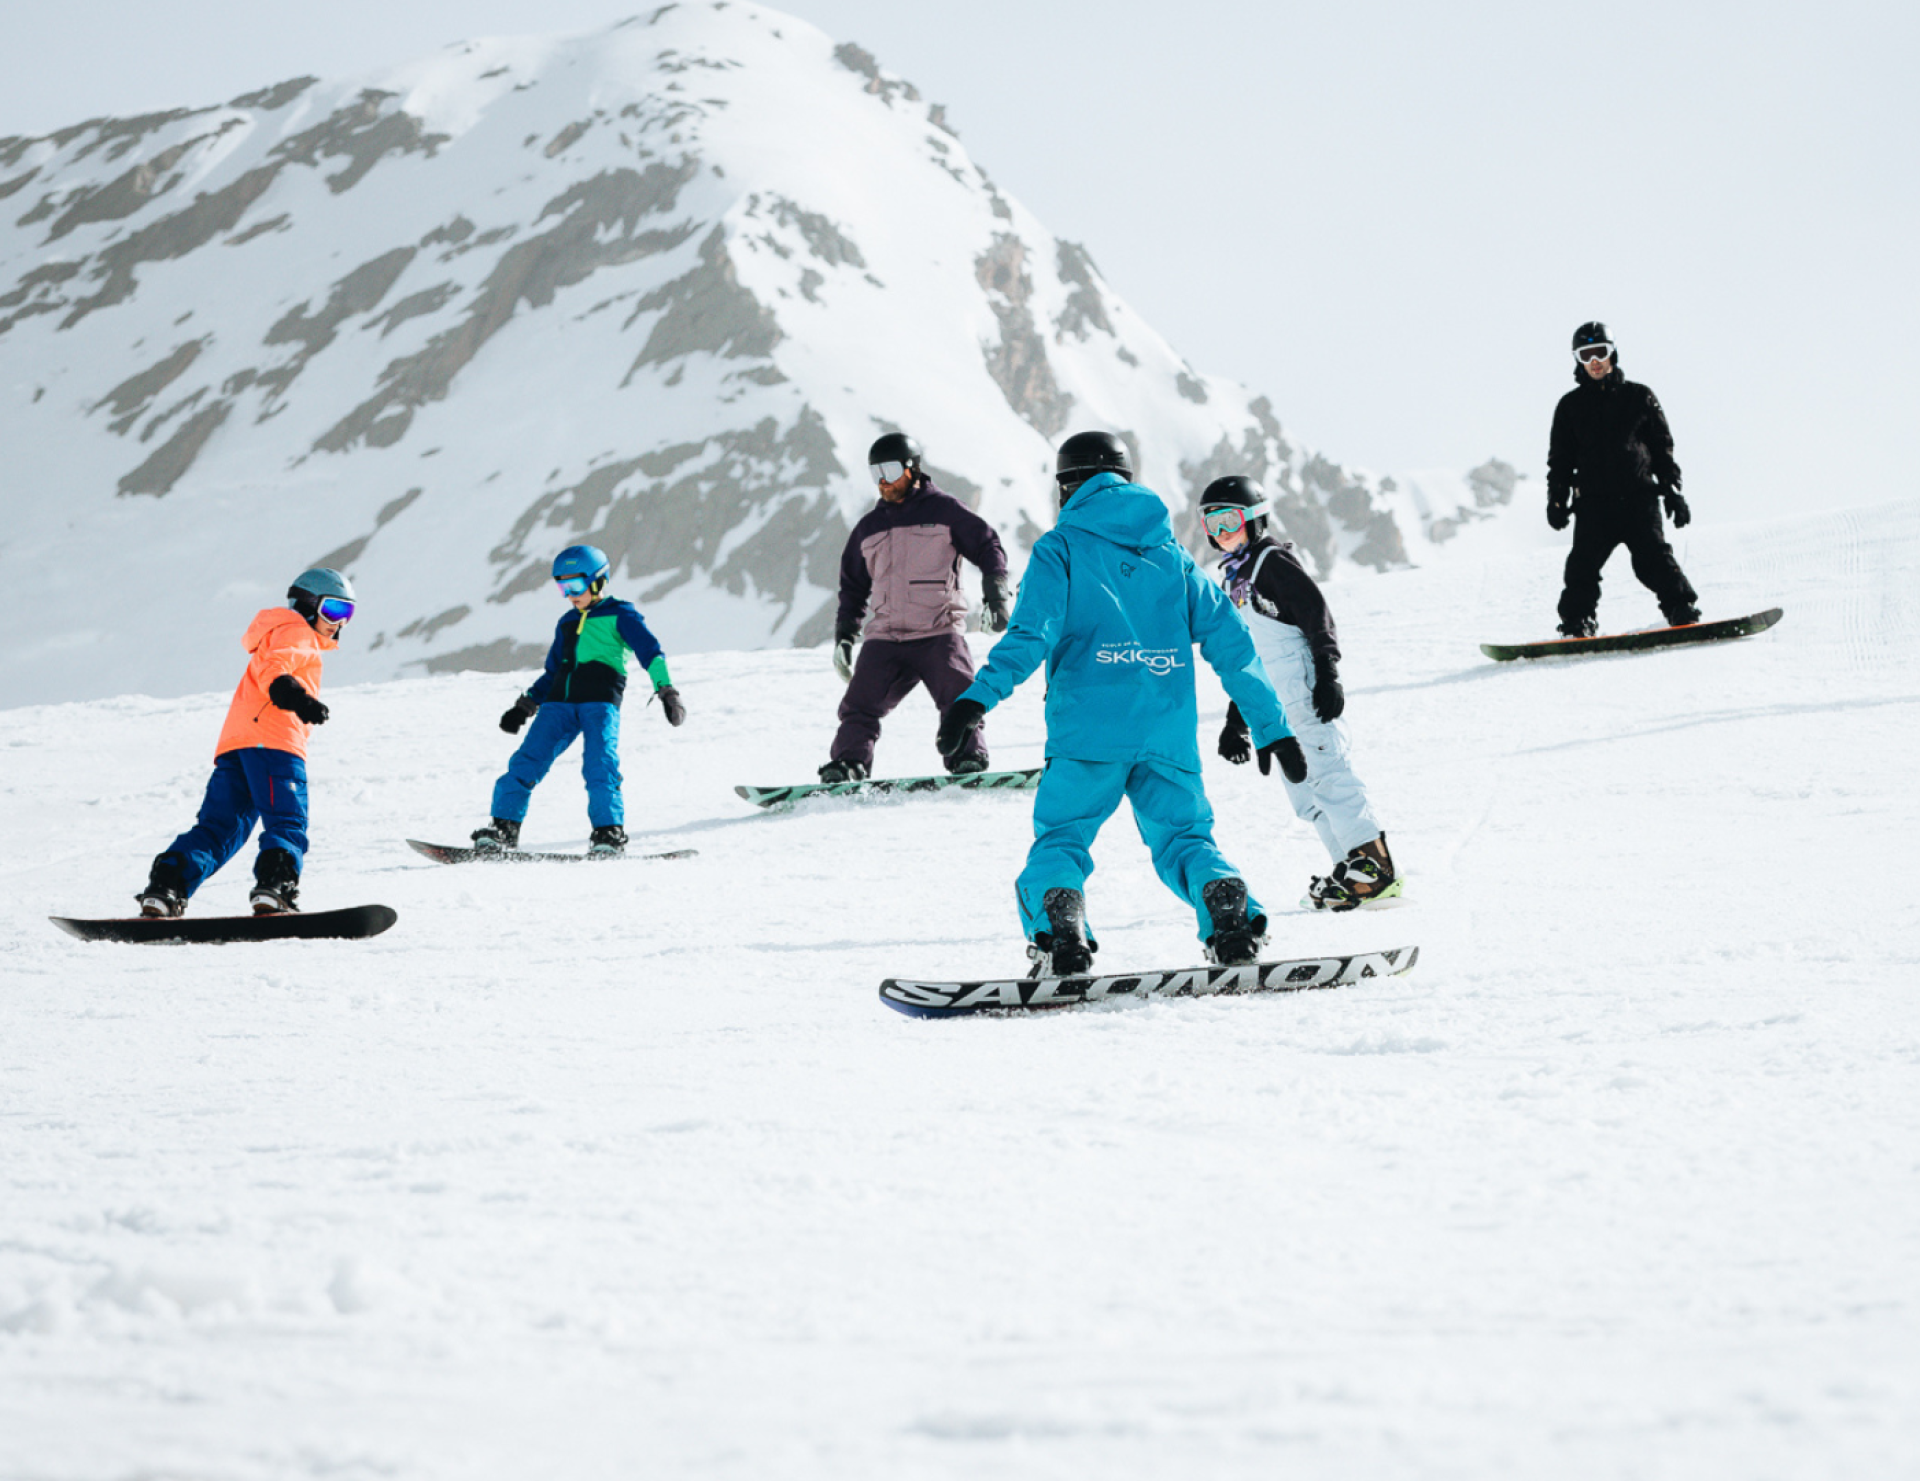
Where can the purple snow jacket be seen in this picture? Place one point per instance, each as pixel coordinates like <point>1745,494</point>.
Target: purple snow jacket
<point>901,567</point>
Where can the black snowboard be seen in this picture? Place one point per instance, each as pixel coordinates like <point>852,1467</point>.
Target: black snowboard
<point>919,999</point>
<point>1653,637</point>
<point>448,853</point>
<point>967,781</point>
<point>352,924</point>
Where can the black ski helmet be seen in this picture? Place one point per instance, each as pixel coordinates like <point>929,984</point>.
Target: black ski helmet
<point>1236,492</point>
<point>1087,453</point>
<point>894,447</point>
<point>1593,332</point>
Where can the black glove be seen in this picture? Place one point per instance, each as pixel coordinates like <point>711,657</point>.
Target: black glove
<point>843,657</point>
<point>514,718</point>
<point>1677,511</point>
<point>288,693</point>
<point>1329,699</point>
<point>1236,742</point>
<point>994,595</point>
<point>1558,513</point>
<point>669,698</point>
<point>1293,761</point>
<point>962,716</point>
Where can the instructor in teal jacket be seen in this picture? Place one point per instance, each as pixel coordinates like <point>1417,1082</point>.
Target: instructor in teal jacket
<point>1114,606</point>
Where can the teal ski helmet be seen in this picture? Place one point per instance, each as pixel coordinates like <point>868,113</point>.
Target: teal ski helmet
<point>322,584</point>
<point>581,570</point>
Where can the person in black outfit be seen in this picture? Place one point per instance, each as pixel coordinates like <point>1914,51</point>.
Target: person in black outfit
<point>1609,468</point>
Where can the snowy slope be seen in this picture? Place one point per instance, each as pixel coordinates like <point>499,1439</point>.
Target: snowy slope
<point>626,1171</point>
<point>659,286</point>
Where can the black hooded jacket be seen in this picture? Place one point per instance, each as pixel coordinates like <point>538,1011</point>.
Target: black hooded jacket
<point>1610,442</point>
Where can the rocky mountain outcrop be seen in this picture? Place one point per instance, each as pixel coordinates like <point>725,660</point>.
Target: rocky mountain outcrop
<point>656,287</point>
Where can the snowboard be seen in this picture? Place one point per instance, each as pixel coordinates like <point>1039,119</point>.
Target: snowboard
<point>352,924</point>
<point>450,853</point>
<point>919,999</point>
<point>973,781</point>
<point>1652,637</point>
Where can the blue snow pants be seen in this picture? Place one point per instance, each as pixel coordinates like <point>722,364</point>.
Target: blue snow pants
<point>253,785</point>
<point>1169,808</point>
<point>554,727</point>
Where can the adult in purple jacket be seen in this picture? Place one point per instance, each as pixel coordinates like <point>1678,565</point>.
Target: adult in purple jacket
<point>900,575</point>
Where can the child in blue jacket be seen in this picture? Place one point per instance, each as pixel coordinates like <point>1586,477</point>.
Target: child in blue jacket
<point>579,694</point>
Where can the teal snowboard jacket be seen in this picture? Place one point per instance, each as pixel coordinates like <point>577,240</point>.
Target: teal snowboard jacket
<point>1113,605</point>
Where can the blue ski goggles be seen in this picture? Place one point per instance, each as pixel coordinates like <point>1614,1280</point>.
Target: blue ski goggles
<point>1226,519</point>
<point>334,609</point>
<point>574,586</point>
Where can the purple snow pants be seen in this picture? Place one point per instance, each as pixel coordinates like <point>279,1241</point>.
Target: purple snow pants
<point>885,673</point>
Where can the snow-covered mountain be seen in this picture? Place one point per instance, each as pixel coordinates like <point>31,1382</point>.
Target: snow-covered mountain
<point>657,286</point>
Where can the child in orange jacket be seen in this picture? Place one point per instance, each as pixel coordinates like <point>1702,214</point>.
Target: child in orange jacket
<point>260,763</point>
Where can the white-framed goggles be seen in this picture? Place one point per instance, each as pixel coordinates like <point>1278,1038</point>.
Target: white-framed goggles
<point>891,471</point>
<point>1224,519</point>
<point>1587,354</point>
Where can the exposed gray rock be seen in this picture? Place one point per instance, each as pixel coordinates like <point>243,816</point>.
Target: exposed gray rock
<point>825,240</point>
<point>1086,308</point>
<point>168,462</point>
<point>1018,363</point>
<point>414,305</point>
<point>599,227</point>
<point>501,656</point>
<point>1191,386</point>
<point>359,292</point>
<point>705,310</point>
<point>130,398</point>
<point>1493,483</point>
<point>363,133</point>
<point>859,59</point>
<point>273,99</point>
<point>667,512</point>
<point>130,192</point>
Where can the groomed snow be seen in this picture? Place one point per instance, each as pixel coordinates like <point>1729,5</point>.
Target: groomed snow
<point>626,1171</point>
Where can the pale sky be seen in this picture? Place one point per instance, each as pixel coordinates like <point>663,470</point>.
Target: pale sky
<point>1388,217</point>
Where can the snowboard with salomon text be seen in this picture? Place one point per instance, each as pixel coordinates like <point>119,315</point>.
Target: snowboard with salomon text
<point>1653,637</point>
<point>972,781</point>
<point>920,998</point>
<point>352,924</point>
<point>453,853</point>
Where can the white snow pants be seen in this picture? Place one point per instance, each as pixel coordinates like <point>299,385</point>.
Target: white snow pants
<point>1331,798</point>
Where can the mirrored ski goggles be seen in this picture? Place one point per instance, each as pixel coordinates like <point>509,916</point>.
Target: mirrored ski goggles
<point>1229,518</point>
<point>888,472</point>
<point>574,586</point>
<point>1587,354</point>
<point>334,609</point>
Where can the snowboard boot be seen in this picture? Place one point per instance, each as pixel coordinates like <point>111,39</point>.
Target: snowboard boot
<point>966,765</point>
<point>165,897</point>
<point>276,883</point>
<point>1584,627</point>
<point>1685,616</point>
<point>501,833</point>
<point>1063,951</point>
<point>1236,941</point>
<point>842,771</point>
<point>1364,877</point>
<point>608,842</point>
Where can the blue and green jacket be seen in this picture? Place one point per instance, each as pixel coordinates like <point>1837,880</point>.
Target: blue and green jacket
<point>587,663</point>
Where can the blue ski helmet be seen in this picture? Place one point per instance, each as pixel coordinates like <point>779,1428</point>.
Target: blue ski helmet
<point>310,586</point>
<point>581,564</point>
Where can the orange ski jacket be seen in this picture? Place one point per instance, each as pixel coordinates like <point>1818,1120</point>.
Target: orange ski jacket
<point>278,641</point>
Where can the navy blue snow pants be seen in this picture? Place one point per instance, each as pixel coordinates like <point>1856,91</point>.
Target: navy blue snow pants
<point>253,785</point>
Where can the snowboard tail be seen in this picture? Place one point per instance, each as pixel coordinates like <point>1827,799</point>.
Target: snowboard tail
<point>450,853</point>
<point>353,924</point>
<point>922,999</point>
<point>973,781</point>
<point>1653,637</point>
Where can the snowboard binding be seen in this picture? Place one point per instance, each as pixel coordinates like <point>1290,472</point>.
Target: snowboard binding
<point>1365,877</point>
<point>1236,940</point>
<point>1065,950</point>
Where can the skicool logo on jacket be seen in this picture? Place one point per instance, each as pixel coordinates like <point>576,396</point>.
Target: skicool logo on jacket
<point>1157,661</point>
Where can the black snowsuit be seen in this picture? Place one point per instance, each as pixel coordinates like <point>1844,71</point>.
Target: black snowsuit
<point>1610,457</point>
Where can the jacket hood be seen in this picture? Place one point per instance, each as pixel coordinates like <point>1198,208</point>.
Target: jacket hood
<point>272,621</point>
<point>1125,513</point>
